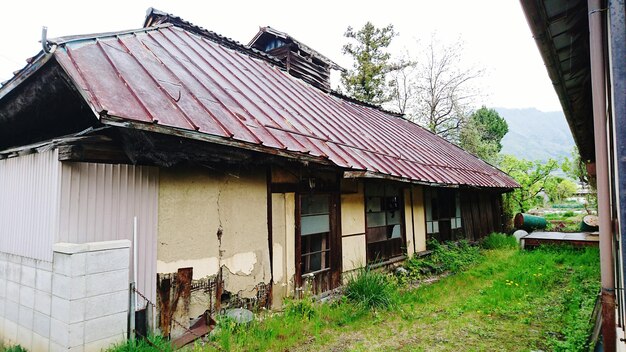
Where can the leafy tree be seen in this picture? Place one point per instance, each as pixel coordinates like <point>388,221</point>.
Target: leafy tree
<point>495,126</point>
<point>367,79</point>
<point>559,189</point>
<point>575,167</point>
<point>532,177</point>
<point>482,134</point>
<point>472,140</point>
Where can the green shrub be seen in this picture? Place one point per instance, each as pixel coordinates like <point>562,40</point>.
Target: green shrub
<point>371,289</point>
<point>498,241</point>
<point>300,308</point>
<point>15,348</point>
<point>452,256</point>
<point>153,343</point>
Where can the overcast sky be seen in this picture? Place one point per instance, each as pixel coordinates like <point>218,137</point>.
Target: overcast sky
<point>495,32</point>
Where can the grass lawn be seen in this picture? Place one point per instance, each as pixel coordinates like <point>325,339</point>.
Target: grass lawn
<point>507,300</point>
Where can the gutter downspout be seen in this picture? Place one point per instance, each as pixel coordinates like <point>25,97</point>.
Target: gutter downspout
<point>598,89</point>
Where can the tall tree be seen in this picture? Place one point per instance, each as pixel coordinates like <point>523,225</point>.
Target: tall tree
<point>368,47</point>
<point>482,134</point>
<point>495,125</point>
<point>442,89</point>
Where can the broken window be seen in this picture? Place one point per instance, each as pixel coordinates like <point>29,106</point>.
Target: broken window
<point>443,213</point>
<point>385,222</point>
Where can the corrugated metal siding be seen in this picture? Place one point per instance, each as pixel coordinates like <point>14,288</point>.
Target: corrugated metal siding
<point>98,203</point>
<point>29,204</point>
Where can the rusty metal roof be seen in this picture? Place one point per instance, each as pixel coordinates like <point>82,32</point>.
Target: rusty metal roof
<point>169,79</point>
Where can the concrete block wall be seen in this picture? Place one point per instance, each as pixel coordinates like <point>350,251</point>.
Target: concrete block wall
<point>77,302</point>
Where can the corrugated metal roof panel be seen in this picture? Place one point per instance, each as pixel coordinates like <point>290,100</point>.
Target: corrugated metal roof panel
<point>172,77</point>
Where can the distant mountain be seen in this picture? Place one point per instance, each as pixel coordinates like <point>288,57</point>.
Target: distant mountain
<point>536,135</point>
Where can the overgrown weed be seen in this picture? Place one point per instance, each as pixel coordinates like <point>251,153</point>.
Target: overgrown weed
<point>498,241</point>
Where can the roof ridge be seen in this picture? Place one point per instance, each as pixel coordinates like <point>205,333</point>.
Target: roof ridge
<point>80,37</point>
<point>155,16</point>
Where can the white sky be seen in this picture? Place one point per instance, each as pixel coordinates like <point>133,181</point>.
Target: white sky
<point>495,32</point>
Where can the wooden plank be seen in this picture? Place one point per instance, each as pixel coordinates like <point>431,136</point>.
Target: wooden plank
<point>466,216</point>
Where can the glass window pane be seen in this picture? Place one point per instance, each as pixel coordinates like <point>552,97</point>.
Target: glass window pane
<point>375,219</point>
<point>314,262</point>
<point>453,223</point>
<point>429,227</point>
<point>396,232</point>
<point>315,204</point>
<point>374,204</point>
<point>315,224</point>
<point>435,226</point>
<point>458,205</point>
<point>393,217</point>
<point>458,223</point>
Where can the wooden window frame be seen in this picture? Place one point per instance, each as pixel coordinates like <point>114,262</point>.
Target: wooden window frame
<point>402,238</point>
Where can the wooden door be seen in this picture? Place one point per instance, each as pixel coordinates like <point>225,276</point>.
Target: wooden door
<point>318,252</point>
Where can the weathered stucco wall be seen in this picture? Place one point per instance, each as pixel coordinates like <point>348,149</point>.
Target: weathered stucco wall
<point>419,218</point>
<point>353,228</point>
<point>284,236</point>
<point>214,218</point>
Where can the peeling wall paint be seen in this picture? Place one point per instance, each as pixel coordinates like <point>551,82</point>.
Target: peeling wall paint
<point>212,219</point>
<point>241,263</point>
<point>202,267</point>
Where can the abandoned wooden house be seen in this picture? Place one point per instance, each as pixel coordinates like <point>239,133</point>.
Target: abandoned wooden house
<point>234,170</point>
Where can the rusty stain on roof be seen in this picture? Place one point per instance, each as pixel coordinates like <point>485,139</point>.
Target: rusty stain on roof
<point>174,78</point>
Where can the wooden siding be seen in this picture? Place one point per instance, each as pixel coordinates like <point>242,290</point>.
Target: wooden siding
<point>29,204</point>
<point>98,203</point>
<point>481,213</point>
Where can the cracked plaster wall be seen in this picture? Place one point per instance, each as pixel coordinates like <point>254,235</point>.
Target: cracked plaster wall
<point>212,218</point>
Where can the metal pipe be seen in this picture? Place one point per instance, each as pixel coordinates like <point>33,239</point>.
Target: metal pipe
<point>598,94</point>
<point>44,40</point>
<point>617,28</point>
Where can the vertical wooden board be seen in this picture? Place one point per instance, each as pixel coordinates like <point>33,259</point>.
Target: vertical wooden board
<point>336,250</point>
<point>466,216</point>
<point>485,211</point>
<point>476,216</point>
